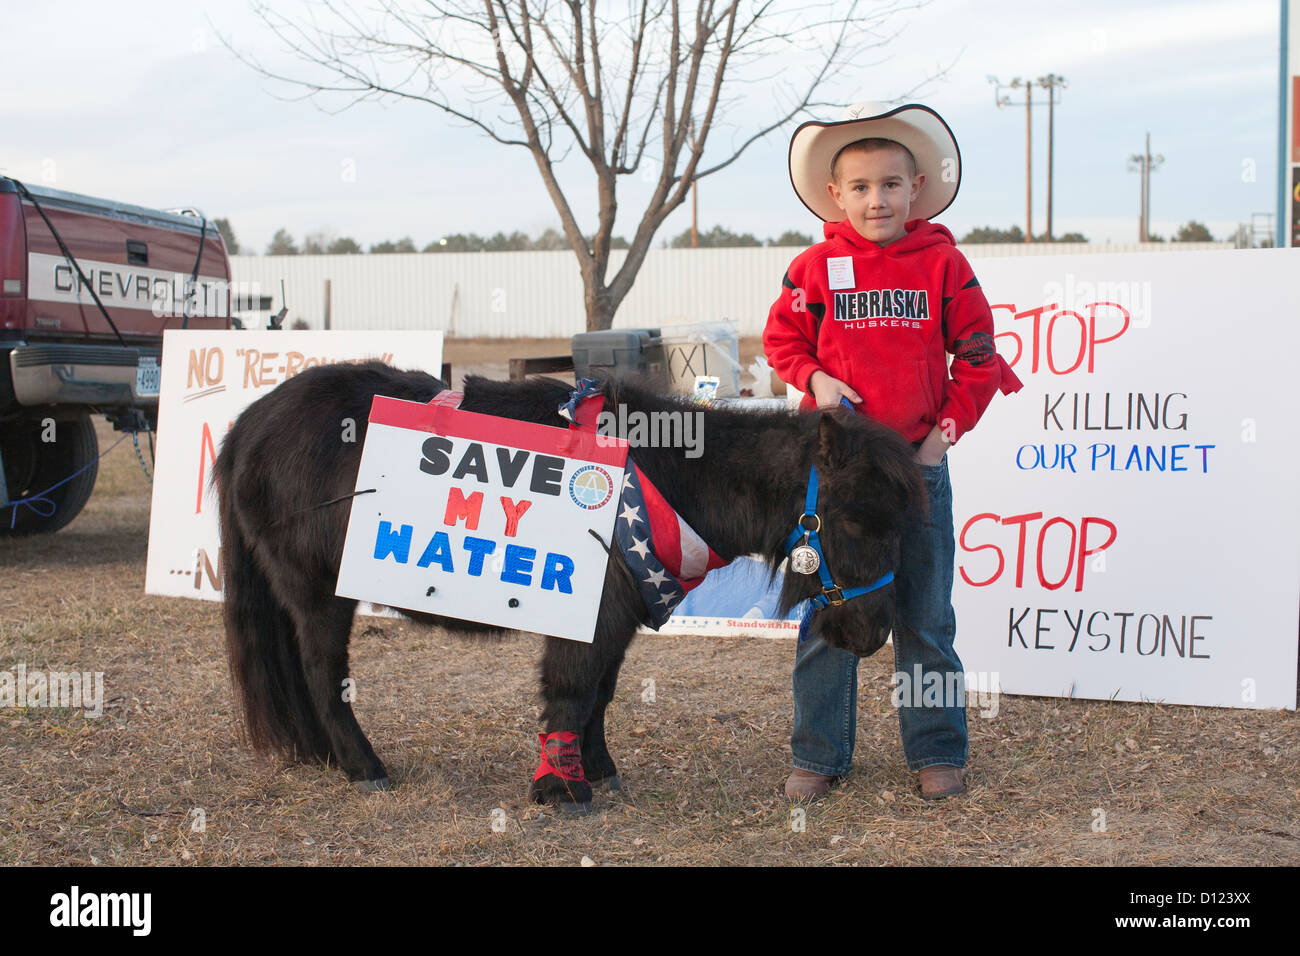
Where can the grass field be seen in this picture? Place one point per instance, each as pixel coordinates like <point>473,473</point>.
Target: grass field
<point>163,777</point>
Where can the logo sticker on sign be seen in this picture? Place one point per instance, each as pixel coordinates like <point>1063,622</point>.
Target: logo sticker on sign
<point>481,518</point>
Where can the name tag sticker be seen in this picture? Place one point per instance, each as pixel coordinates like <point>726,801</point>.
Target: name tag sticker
<point>839,272</point>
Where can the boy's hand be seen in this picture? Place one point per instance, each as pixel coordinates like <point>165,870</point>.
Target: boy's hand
<point>828,391</point>
<point>933,448</point>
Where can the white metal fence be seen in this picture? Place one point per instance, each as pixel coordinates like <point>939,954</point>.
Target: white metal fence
<point>539,294</point>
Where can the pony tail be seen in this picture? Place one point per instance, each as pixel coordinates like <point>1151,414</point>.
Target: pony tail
<point>262,643</point>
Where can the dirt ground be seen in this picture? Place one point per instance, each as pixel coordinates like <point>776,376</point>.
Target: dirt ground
<point>163,777</point>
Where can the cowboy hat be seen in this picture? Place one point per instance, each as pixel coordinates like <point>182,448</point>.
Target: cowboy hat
<point>923,131</point>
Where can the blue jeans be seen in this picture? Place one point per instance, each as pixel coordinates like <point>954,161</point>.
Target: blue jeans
<point>826,678</point>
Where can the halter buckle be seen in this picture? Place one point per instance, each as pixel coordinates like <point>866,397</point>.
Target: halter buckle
<point>833,596</point>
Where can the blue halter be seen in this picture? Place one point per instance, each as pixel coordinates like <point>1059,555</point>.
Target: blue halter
<point>831,595</point>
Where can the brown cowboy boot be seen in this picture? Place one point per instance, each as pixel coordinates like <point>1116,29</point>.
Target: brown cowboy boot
<point>806,785</point>
<point>942,780</point>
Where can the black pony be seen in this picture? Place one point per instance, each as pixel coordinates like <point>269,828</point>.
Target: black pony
<point>285,474</point>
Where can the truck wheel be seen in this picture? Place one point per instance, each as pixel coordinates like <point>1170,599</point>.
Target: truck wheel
<point>31,465</point>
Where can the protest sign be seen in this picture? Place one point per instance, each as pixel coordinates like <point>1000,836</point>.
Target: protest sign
<point>482,518</point>
<point>208,378</point>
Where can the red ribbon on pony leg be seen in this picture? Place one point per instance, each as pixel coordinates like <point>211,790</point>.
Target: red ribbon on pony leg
<point>561,755</point>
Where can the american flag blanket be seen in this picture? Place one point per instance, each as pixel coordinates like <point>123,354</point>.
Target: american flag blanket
<point>663,552</point>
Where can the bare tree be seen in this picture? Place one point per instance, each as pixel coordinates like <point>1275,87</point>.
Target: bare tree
<point>640,93</point>
<point>316,243</point>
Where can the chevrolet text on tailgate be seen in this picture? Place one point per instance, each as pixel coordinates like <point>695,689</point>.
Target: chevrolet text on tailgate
<point>87,287</point>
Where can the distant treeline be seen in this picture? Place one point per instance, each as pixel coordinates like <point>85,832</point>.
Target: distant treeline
<point>321,243</point>
<point>1015,234</point>
<point>1191,231</point>
<point>283,243</point>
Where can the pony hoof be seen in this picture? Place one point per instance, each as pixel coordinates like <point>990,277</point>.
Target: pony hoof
<point>574,809</point>
<point>372,786</point>
<point>612,783</point>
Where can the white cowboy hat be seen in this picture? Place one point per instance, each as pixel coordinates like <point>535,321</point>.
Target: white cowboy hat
<point>919,128</point>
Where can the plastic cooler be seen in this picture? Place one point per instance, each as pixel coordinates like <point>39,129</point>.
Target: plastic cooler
<point>619,353</point>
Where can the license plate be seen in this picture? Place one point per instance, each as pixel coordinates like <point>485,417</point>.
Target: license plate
<point>148,377</point>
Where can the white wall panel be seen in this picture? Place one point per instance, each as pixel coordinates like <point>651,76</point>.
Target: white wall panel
<point>539,294</point>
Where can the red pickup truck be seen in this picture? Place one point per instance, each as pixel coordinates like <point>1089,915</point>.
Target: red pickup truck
<point>87,287</point>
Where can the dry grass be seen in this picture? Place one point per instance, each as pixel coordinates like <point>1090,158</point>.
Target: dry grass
<point>455,722</point>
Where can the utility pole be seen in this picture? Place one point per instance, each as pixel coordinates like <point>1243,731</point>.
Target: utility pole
<point>1051,83</point>
<point>695,211</point>
<point>1153,163</point>
<point>1144,163</point>
<point>1029,167</point>
<point>1002,100</point>
<point>695,199</point>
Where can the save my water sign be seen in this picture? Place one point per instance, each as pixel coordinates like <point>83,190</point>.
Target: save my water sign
<point>482,518</point>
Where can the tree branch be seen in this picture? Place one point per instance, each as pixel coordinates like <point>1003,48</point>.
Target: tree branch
<point>547,58</point>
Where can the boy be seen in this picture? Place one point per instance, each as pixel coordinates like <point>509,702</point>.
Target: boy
<point>869,316</point>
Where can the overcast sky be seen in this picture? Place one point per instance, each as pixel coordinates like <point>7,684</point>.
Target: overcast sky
<point>140,101</point>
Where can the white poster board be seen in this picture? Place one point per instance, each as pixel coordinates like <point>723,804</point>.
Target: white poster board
<point>1127,525</point>
<point>208,378</point>
<point>481,518</point>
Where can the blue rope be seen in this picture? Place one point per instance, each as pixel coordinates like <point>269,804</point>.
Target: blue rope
<point>39,497</point>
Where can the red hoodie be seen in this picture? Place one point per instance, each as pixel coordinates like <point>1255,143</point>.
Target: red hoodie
<point>882,319</point>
